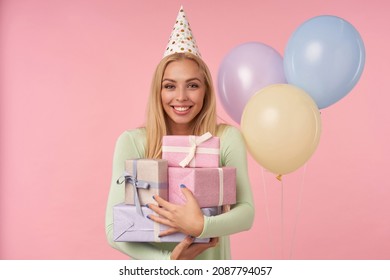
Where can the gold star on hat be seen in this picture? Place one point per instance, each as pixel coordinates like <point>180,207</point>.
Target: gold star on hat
<point>181,39</point>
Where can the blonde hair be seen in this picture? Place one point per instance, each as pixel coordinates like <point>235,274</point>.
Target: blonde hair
<point>156,120</point>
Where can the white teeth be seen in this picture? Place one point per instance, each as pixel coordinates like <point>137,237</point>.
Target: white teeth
<point>181,109</point>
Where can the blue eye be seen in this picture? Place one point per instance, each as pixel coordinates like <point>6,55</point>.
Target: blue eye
<point>193,86</point>
<point>169,86</point>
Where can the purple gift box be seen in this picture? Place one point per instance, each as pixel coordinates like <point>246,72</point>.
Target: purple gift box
<point>191,151</point>
<point>129,226</point>
<point>210,186</point>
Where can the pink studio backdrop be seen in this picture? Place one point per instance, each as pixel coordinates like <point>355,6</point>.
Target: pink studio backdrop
<point>75,74</point>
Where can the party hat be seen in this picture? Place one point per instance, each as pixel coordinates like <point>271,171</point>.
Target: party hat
<point>181,39</point>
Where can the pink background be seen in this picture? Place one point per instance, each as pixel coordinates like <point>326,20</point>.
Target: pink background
<point>75,74</point>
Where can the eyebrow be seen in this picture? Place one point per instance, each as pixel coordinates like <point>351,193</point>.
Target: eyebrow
<point>173,81</point>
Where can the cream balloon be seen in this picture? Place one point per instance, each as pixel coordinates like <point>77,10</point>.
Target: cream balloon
<point>281,125</point>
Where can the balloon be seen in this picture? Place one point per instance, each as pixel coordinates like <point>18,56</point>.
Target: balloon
<point>281,125</point>
<point>246,69</point>
<point>325,57</point>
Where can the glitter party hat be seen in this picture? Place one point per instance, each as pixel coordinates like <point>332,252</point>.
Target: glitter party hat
<point>181,39</point>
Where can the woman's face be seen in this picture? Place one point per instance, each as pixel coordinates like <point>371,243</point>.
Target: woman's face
<point>182,94</point>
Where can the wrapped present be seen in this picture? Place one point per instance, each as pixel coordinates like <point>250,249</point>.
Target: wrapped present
<point>191,151</point>
<point>129,226</point>
<point>145,178</point>
<point>210,186</point>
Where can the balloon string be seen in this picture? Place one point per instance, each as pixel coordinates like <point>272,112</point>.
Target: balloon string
<point>282,216</point>
<point>268,216</point>
<point>298,211</point>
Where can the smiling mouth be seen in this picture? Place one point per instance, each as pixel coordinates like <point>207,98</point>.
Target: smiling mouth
<point>181,108</point>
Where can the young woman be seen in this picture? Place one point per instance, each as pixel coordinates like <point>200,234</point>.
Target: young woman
<point>182,102</point>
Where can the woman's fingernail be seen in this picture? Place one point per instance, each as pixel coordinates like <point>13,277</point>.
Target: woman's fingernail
<point>148,217</point>
<point>182,186</point>
<point>147,206</point>
<point>154,197</point>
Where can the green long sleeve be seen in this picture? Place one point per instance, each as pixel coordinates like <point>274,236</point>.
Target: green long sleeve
<point>233,153</point>
<point>131,144</point>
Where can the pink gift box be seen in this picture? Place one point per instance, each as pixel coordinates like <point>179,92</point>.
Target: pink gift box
<point>210,186</point>
<point>191,151</point>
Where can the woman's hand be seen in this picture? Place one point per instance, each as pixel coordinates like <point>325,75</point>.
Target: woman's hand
<point>186,250</point>
<point>187,218</point>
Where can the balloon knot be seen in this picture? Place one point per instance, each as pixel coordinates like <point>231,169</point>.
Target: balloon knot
<point>279,177</point>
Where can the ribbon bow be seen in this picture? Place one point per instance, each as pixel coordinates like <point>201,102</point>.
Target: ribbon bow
<point>136,185</point>
<point>194,142</point>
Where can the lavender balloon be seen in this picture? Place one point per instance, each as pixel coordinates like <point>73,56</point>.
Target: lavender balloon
<point>245,70</point>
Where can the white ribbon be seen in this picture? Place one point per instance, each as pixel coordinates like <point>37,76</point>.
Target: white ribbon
<point>194,141</point>
<point>156,228</point>
<point>199,150</point>
<point>220,173</point>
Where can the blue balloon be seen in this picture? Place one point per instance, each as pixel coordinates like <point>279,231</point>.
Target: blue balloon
<point>325,57</point>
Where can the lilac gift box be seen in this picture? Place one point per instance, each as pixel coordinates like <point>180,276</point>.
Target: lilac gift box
<point>129,226</point>
<point>210,186</point>
<point>191,151</point>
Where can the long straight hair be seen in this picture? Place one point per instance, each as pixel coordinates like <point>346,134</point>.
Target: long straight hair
<point>156,118</point>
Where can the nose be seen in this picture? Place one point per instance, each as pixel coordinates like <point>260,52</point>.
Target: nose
<point>181,94</point>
